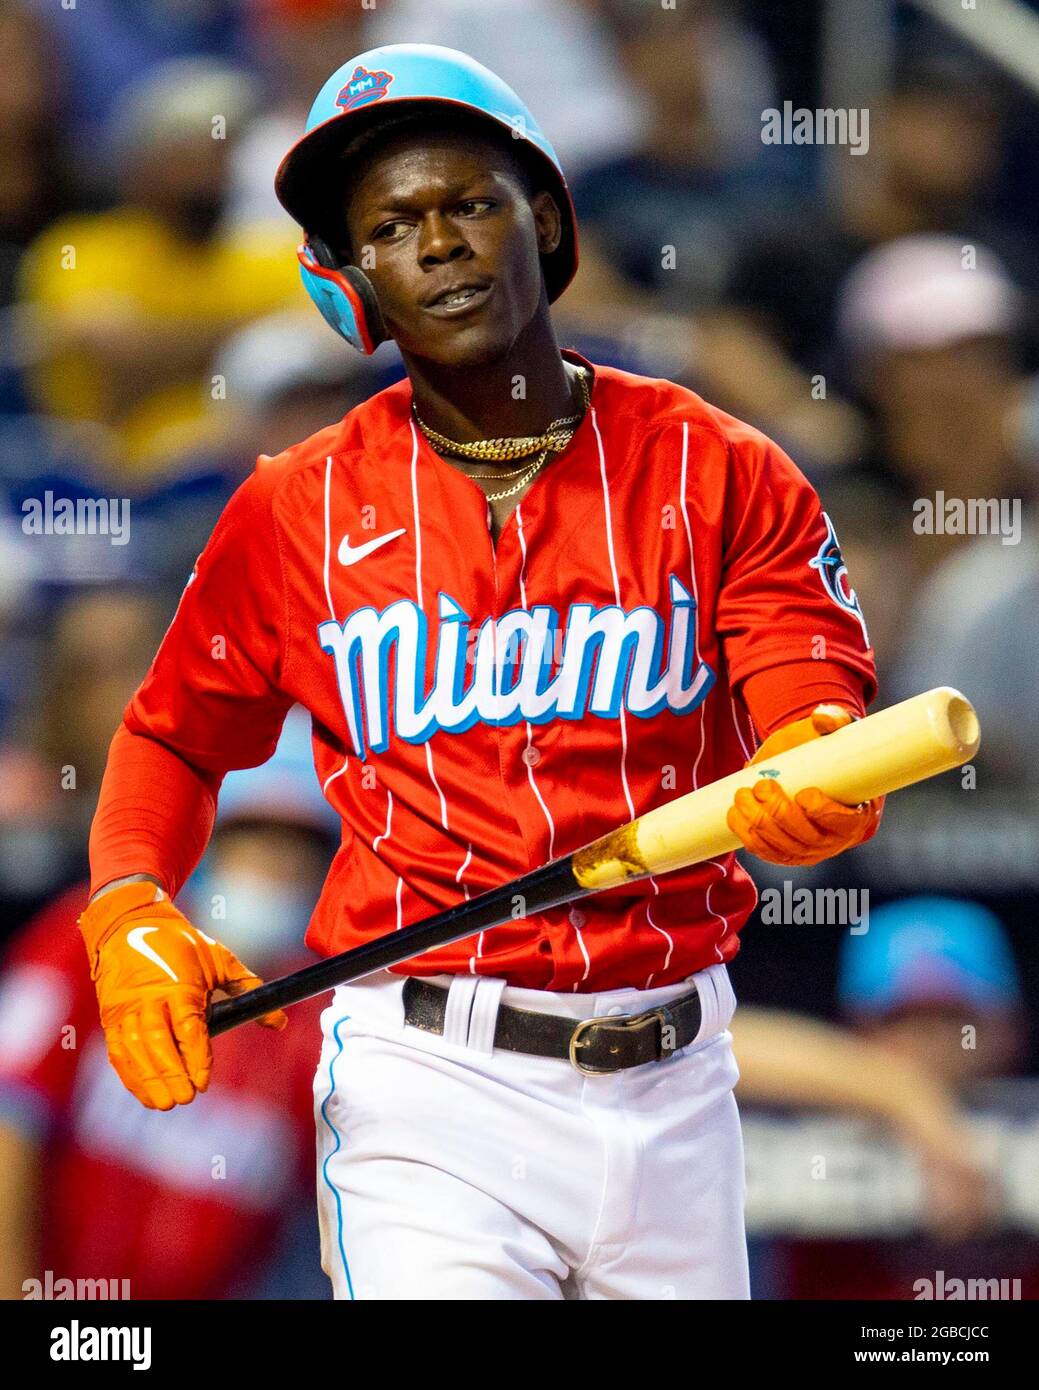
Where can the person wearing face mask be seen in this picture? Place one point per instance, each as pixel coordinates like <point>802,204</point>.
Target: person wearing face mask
<point>215,1202</point>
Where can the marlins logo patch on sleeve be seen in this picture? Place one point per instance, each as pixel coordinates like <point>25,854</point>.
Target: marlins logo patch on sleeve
<point>834,574</point>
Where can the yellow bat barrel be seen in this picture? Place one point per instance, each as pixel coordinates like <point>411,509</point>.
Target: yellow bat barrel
<point>906,743</point>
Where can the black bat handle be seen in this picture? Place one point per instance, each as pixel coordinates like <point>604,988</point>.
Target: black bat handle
<point>541,889</point>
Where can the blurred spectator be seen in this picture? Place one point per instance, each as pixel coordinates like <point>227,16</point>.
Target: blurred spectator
<point>559,56</point>
<point>287,376</point>
<point>191,1203</point>
<point>99,645</point>
<point>33,172</point>
<point>672,220</point>
<point>929,325</point>
<point>35,186</point>
<point>689,184</point>
<point>107,46</point>
<point>281,379</point>
<point>790,1061</point>
<point>297,45</point>
<point>933,338</point>
<point>975,625</point>
<point>934,154</point>
<point>933,985</point>
<point>129,304</point>
<point>934,980</point>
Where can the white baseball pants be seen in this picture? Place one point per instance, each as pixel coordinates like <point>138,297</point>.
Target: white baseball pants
<point>449,1170</point>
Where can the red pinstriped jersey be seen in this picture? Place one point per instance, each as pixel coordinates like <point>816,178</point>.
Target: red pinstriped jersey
<point>479,709</point>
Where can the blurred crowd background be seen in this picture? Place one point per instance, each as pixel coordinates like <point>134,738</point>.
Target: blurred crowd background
<point>156,338</point>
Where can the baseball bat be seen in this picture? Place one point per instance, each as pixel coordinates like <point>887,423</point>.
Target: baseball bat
<point>906,743</point>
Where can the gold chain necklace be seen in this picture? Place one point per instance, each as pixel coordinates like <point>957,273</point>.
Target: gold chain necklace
<point>554,439</point>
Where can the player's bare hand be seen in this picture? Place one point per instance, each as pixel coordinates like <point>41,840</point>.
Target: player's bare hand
<point>155,973</point>
<point>961,1200</point>
<point>811,826</point>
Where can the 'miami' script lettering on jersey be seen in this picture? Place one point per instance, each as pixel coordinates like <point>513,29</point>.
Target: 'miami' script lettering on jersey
<point>609,656</point>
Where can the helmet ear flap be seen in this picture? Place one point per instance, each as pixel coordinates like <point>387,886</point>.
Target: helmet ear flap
<point>323,253</point>
<point>343,294</point>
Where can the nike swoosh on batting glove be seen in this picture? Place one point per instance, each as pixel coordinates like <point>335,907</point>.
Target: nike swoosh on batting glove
<point>154,974</point>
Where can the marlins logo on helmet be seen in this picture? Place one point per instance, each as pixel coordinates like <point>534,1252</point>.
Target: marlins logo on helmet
<point>363,88</point>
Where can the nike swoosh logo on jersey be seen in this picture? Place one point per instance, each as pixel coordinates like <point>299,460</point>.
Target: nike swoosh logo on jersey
<point>350,554</point>
<point>136,940</point>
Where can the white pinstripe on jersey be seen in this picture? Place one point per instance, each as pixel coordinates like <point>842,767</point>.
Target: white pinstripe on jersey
<point>608,517</point>
<point>418,597</point>
<point>530,731</point>
<point>326,571</point>
<point>684,473</point>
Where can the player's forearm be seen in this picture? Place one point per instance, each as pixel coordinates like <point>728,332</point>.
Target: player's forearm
<point>784,693</point>
<point>785,1059</point>
<point>791,1060</point>
<point>154,816</point>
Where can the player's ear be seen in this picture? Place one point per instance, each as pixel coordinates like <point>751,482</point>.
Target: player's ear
<point>547,222</point>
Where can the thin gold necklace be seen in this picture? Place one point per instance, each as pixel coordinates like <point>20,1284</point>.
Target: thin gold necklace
<point>554,439</point>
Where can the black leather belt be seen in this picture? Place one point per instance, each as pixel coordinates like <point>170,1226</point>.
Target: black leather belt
<point>593,1045</point>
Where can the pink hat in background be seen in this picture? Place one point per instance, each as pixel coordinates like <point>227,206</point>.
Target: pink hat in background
<point>926,292</point>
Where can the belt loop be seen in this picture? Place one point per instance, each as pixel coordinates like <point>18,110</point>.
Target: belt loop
<point>458,1008</point>
<point>484,1017</point>
<point>705,988</point>
<point>728,996</point>
<point>717,1001</point>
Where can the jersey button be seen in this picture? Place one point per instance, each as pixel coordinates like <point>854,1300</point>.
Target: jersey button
<point>531,756</point>
<point>577,918</point>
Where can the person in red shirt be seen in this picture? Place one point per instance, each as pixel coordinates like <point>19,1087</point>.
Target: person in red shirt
<point>103,1198</point>
<point>525,598</point>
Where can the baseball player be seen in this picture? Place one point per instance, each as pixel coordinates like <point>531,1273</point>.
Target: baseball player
<point>525,598</point>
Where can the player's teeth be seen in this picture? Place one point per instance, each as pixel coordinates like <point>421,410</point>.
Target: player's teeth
<point>460,297</point>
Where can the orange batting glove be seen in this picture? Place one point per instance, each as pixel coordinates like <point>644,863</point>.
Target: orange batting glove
<point>810,827</point>
<point>154,974</point>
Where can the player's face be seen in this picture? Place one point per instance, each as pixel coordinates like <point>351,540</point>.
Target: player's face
<point>451,243</point>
